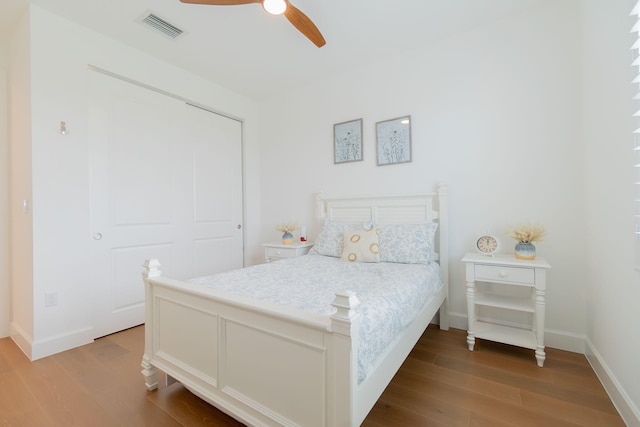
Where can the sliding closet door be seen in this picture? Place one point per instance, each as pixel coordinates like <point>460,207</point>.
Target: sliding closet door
<point>217,215</point>
<point>167,184</point>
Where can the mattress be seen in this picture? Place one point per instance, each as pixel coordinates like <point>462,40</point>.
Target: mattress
<point>390,294</point>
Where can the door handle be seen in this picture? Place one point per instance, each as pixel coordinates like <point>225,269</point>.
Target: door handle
<point>97,236</point>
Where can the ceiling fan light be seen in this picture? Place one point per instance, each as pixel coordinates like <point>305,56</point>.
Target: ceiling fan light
<point>274,7</point>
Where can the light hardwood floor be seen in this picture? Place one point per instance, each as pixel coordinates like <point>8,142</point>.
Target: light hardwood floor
<point>440,384</point>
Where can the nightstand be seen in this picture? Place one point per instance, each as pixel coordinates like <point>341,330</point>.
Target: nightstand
<point>506,270</point>
<point>276,251</point>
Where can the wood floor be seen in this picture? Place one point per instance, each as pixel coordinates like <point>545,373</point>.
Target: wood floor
<point>440,384</point>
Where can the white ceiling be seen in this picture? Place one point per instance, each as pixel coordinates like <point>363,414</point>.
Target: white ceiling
<point>259,55</point>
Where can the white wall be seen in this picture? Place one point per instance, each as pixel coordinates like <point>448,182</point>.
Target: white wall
<point>613,286</point>
<point>60,174</point>
<point>5,289</point>
<point>496,113</point>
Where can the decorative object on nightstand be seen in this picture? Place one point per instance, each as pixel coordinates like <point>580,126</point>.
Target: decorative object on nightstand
<point>526,235</point>
<point>287,228</point>
<point>276,251</point>
<point>487,244</point>
<point>528,276</point>
<point>287,238</point>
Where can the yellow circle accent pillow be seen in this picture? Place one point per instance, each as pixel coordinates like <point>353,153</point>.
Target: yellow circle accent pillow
<point>361,246</point>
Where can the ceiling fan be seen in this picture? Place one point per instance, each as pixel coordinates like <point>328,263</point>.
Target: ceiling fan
<point>276,7</point>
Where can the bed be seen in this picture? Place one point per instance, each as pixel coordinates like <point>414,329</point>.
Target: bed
<point>266,363</point>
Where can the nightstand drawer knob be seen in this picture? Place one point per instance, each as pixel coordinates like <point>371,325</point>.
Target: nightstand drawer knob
<point>502,274</point>
<point>278,252</point>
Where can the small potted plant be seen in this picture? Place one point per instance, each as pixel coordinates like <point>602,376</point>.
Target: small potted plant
<point>286,229</point>
<point>526,235</point>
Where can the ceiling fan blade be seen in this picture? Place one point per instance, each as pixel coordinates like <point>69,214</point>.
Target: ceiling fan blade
<point>304,24</point>
<point>221,2</point>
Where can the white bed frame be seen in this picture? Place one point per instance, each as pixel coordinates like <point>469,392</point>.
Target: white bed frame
<point>265,365</point>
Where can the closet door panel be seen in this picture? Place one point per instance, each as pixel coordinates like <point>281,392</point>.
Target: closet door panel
<point>166,183</point>
<point>218,207</point>
<point>140,152</point>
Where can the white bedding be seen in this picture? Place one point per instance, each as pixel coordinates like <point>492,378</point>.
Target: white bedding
<point>390,294</point>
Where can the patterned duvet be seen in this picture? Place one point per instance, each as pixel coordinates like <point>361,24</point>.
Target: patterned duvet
<point>390,294</point>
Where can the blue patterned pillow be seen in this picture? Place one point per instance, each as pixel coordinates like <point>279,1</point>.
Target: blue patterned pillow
<point>407,243</point>
<point>330,240</point>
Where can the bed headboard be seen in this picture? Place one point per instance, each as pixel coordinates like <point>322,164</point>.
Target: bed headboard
<point>393,209</point>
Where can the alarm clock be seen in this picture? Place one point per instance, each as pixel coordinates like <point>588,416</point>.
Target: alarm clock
<point>487,244</point>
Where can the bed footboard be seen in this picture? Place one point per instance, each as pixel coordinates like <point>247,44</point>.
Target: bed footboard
<point>262,366</point>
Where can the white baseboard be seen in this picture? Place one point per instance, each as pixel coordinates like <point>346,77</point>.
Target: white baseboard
<point>21,338</point>
<point>628,410</point>
<point>458,320</point>
<point>37,349</point>
<point>564,341</point>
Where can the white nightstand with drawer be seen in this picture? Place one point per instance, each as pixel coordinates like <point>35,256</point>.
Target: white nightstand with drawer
<point>507,270</point>
<point>276,251</point>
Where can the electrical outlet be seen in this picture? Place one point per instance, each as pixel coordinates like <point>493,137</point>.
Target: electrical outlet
<point>50,299</point>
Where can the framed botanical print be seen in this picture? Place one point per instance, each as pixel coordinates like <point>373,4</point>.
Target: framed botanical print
<point>394,141</point>
<point>347,141</point>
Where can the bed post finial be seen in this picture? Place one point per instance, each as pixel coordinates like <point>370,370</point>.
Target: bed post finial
<point>345,302</point>
<point>320,205</point>
<point>151,268</point>
<point>443,188</point>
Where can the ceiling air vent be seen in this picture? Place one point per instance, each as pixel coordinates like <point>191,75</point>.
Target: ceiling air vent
<point>159,25</point>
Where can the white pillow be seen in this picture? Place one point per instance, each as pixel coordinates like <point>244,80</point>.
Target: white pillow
<point>361,246</point>
<point>407,243</point>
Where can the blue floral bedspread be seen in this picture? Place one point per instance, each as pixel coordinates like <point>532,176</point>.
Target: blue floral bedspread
<point>390,294</point>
